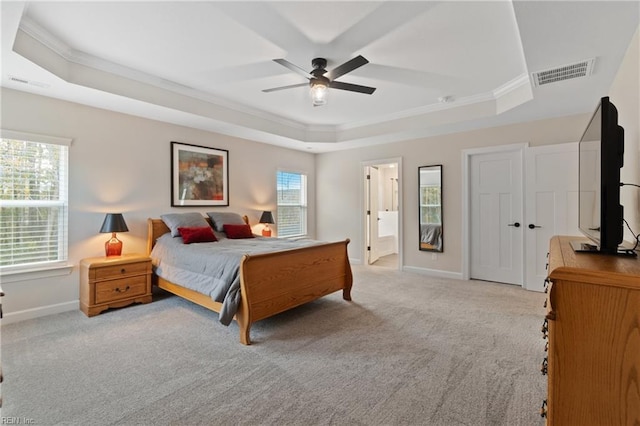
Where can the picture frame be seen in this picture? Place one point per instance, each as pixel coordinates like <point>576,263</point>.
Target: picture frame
<point>199,176</point>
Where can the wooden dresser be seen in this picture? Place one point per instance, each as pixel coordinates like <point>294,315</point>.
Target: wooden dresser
<point>113,282</point>
<point>593,329</point>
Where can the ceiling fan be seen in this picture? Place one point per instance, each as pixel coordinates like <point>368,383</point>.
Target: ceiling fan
<point>321,80</point>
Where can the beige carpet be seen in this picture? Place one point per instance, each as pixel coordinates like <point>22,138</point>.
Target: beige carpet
<point>408,350</point>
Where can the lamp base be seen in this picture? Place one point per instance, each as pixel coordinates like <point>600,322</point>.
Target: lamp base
<point>113,246</point>
<point>266,231</point>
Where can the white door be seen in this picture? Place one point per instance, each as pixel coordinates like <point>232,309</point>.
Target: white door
<point>552,204</point>
<point>373,214</point>
<point>496,217</point>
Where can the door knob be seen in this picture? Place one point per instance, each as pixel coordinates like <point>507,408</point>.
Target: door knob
<point>515,224</point>
<point>532,226</point>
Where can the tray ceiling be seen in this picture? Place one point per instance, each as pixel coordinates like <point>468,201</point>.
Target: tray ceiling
<point>438,66</point>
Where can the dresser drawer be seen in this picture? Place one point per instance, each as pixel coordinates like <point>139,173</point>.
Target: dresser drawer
<point>114,271</point>
<point>112,290</point>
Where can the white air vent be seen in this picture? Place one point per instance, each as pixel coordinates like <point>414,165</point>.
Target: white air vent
<point>25,81</point>
<point>565,72</point>
<point>18,80</point>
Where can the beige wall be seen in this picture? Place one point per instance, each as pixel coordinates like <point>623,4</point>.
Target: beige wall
<point>339,179</point>
<point>625,94</point>
<point>121,163</point>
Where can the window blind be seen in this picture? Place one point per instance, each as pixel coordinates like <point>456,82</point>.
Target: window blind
<point>292,204</point>
<point>33,202</point>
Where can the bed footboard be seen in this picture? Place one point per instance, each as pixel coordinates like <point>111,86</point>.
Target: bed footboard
<point>271,283</point>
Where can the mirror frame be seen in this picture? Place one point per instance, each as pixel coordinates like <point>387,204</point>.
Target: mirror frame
<point>420,246</point>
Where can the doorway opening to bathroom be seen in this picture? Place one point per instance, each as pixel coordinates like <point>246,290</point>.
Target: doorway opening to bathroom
<point>382,213</point>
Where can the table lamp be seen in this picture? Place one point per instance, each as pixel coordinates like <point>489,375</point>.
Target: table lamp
<point>113,222</point>
<point>266,219</point>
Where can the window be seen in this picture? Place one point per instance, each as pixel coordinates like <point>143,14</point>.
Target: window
<point>292,204</point>
<point>33,201</point>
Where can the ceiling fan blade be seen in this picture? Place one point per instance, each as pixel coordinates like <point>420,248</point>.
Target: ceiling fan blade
<point>285,87</point>
<point>348,66</point>
<point>352,87</point>
<point>293,67</point>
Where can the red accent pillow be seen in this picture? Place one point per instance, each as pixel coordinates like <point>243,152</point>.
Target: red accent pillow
<point>197,235</point>
<point>238,231</point>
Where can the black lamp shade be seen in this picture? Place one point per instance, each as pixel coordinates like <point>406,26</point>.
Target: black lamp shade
<point>114,222</point>
<point>266,217</point>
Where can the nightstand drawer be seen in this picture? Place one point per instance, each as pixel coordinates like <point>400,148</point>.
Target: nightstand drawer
<point>109,291</point>
<point>115,271</point>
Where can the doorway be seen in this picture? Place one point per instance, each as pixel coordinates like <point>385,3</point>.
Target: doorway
<point>382,218</point>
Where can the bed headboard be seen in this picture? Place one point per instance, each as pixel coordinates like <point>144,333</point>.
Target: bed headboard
<point>156,228</point>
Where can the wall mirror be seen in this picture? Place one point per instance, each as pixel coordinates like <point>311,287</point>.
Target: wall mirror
<point>430,205</point>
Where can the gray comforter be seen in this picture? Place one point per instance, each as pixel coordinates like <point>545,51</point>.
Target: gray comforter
<point>213,269</point>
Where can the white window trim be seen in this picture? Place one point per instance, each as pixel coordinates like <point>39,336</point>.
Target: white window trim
<point>26,273</point>
<point>9,274</point>
<point>33,137</point>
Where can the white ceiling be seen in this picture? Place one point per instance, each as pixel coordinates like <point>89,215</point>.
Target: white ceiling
<point>205,64</point>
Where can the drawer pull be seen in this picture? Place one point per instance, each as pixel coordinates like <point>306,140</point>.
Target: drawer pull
<point>545,326</point>
<point>123,270</point>
<point>117,289</point>
<point>545,366</point>
<point>543,409</point>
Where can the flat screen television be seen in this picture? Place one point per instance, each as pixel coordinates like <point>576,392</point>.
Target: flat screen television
<point>601,155</point>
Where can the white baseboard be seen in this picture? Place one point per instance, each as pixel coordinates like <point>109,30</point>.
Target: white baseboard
<point>434,272</point>
<point>40,312</point>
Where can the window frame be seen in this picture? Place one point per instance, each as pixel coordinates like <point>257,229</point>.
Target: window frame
<point>61,266</point>
<point>304,206</point>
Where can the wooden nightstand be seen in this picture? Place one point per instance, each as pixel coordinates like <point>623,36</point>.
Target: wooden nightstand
<point>113,282</point>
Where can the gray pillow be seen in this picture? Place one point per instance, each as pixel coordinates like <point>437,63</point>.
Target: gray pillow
<point>220,219</point>
<point>183,220</point>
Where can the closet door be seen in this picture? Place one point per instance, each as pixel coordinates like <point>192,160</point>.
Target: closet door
<point>496,216</point>
<point>551,200</point>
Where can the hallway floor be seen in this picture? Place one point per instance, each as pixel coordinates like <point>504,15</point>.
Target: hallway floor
<point>389,261</point>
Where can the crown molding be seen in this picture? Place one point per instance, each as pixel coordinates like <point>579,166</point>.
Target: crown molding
<point>99,74</point>
<point>70,55</point>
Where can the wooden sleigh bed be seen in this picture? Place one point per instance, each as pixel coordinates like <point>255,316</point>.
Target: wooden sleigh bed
<point>271,283</point>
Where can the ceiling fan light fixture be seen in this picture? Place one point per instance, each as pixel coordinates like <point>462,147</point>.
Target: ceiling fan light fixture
<point>319,91</point>
<point>321,80</point>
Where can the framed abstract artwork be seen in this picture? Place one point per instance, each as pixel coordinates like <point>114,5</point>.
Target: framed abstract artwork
<point>199,176</point>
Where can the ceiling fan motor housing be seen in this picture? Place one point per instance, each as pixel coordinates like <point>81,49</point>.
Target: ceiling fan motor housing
<point>319,64</point>
<point>318,72</point>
